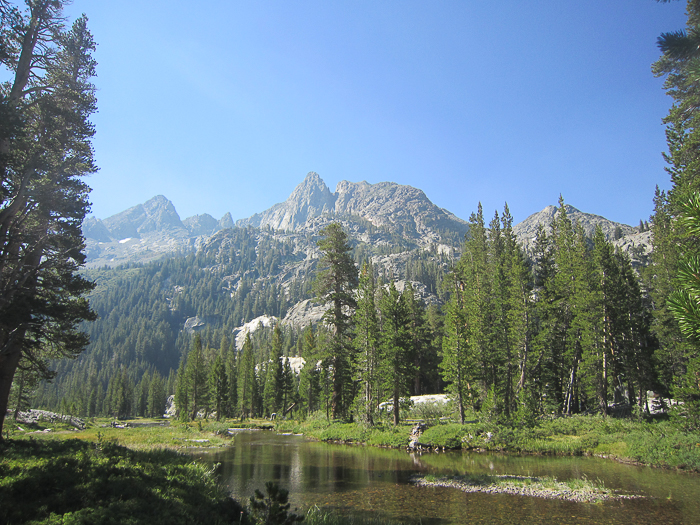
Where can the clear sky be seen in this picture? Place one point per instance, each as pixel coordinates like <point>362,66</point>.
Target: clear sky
<point>226,105</point>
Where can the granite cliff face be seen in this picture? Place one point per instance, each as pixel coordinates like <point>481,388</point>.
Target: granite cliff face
<point>311,198</point>
<point>399,208</point>
<point>396,209</point>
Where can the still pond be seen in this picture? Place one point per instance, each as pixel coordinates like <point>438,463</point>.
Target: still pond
<point>375,482</point>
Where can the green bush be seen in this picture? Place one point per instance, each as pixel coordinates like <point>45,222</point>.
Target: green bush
<point>448,436</point>
<point>345,432</point>
<point>665,447</point>
<point>389,436</point>
<point>430,412</point>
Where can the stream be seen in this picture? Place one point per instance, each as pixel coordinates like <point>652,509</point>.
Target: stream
<point>375,482</point>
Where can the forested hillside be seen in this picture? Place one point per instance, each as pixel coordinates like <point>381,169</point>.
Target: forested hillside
<point>563,329</point>
<point>240,274</point>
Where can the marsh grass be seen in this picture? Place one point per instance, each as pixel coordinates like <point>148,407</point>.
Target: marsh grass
<point>656,442</point>
<point>148,434</point>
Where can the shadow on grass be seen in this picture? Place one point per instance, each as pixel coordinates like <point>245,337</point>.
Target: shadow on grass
<point>77,482</point>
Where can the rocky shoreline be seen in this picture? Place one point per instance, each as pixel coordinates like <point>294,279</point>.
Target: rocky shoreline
<point>526,486</point>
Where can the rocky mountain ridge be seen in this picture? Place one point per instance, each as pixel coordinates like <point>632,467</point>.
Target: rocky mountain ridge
<point>395,216</point>
<point>398,208</point>
<point>146,232</point>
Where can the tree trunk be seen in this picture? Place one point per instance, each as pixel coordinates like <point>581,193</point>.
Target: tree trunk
<point>396,407</point>
<point>8,366</point>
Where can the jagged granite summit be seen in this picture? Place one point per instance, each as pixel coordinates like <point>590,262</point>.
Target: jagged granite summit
<point>400,209</point>
<point>146,232</point>
<point>309,199</point>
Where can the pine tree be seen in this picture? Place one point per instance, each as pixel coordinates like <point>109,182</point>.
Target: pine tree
<point>366,343</point>
<point>309,376</point>
<point>457,363</point>
<point>286,389</point>
<point>156,396</point>
<point>396,351</point>
<point>231,366</point>
<point>335,284</point>
<point>182,399</point>
<point>272,389</point>
<point>141,395</point>
<point>518,316</point>
<point>473,269</point>
<point>246,380</point>
<point>218,386</point>
<point>669,238</point>
<point>684,303</point>
<point>196,377</point>
<point>45,149</point>
<point>418,335</point>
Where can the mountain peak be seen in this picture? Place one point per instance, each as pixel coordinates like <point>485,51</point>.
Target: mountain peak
<point>526,230</point>
<point>398,208</point>
<point>309,199</point>
<point>312,191</point>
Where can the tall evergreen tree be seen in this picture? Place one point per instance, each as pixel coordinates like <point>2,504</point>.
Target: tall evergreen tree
<point>310,374</point>
<point>182,398</point>
<point>419,339</point>
<point>218,386</point>
<point>334,285</point>
<point>45,149</point>
<point>680,64</point>
<point>272,389</point>
<point>366,343</point>
<point>246,380</point>
<point>396,351</point>
<point>196,378</point>
<point>457,362</point>
<point>156,396</point>
<point>685,305</point>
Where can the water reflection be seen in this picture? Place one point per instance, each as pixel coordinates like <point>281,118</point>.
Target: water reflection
<point>373,481</point>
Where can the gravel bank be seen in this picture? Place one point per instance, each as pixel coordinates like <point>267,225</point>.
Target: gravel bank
<point>526,486</point>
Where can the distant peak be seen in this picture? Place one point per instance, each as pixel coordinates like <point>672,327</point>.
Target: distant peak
<point>313,180</point>
<point>158,199</point>
<point>311,185</point>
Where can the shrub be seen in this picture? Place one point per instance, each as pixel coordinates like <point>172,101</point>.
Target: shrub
<point>448,436</point>
<point>430,412</point>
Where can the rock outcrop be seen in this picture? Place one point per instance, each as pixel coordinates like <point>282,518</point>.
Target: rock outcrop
<point>309,199</point>
<point>401,210</point>
<point>264,321</point>
<point>203,224</point>
<point>526,230</point>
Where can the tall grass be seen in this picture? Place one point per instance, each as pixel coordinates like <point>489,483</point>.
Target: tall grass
<point>74,481</point>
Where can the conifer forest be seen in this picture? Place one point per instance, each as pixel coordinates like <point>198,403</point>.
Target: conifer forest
<point>568,326</point>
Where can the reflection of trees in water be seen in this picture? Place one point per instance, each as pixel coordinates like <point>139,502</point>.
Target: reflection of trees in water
<point>375,482</point>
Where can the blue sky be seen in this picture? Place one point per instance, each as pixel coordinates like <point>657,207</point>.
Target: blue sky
<point>225,106</point>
